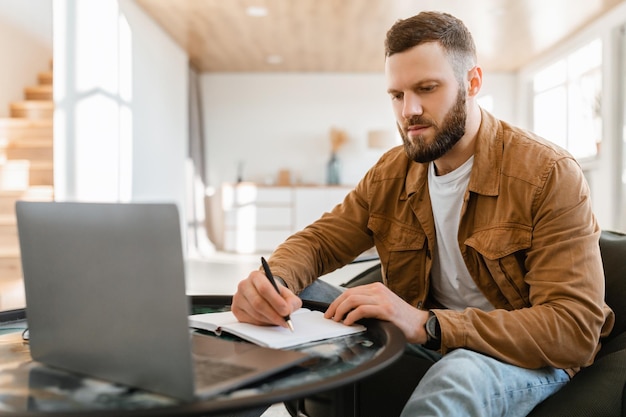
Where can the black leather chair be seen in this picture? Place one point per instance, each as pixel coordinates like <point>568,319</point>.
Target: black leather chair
<point>596,391</point>
<point>599,389</point>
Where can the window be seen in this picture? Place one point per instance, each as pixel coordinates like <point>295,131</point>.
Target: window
<point>567,96</point>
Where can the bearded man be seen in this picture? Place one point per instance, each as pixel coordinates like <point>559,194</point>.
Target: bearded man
<point>487,241</point>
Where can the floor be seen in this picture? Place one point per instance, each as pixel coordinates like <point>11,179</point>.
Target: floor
<point>220,273</point>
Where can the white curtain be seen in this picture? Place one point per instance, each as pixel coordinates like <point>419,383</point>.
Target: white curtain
<point>202,236</point>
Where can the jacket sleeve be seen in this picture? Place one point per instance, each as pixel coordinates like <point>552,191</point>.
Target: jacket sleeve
<point>564,281</point>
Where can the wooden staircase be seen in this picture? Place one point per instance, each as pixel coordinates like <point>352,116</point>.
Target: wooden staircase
<point>26,173</point>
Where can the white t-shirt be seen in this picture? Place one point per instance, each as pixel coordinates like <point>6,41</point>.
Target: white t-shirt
<point>451,283</point>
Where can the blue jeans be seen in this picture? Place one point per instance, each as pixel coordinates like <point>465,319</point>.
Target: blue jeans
<point>467,383</point>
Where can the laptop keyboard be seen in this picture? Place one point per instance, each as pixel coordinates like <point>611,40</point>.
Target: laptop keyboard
<point>209,371</point>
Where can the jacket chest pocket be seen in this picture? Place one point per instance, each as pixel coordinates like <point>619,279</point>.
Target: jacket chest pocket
<point>500,260</point>
<point>403,254</point>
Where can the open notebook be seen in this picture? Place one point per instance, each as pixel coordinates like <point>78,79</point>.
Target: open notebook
<point>105,295</point>
<point>309,326</point>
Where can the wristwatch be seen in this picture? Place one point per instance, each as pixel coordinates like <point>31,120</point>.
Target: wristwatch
<point>433,332</point>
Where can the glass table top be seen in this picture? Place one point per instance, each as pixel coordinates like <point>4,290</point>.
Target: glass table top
<point>28,387</point>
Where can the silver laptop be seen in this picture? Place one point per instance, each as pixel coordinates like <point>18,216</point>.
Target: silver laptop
<point>105,297</point>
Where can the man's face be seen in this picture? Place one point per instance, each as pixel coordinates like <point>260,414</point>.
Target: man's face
<point>429,105</point>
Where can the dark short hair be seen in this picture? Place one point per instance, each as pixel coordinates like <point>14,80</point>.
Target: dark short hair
<point>442,28</point>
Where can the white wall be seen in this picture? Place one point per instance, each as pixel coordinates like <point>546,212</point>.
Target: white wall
<point>501,88</point>
<point>160,121</point>
<point>121,105</point>
<point>25,45</point>
<point>282,121</point>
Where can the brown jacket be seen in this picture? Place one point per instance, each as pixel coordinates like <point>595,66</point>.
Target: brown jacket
<point>527,234</point>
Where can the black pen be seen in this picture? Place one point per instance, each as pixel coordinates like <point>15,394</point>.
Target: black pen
<point>268,274</point>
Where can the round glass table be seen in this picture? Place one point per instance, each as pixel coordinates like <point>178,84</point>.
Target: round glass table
<point>30,388</point>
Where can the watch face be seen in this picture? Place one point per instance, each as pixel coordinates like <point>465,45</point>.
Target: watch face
<point>431,327</point>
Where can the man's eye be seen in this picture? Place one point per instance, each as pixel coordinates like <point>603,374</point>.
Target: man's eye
<point>427,88</point>
<point>396,96</point>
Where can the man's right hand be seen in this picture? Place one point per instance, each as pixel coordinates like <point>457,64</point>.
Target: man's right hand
<point>257,302</point>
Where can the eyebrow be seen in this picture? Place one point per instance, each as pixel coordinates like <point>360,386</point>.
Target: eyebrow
<point>416,85</point>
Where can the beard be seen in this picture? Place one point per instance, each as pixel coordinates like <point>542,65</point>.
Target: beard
<point>446,136</point>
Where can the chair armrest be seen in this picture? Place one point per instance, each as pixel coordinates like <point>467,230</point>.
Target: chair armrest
<point>370,275</point>
<point>594,391</point>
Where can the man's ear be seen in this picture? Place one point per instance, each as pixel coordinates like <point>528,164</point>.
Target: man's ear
<point>475,80</point>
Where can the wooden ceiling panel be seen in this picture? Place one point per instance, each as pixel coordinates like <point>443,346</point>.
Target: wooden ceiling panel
<point>348,35</point>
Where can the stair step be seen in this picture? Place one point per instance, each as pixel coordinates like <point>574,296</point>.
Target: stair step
<point>39,193</point>
<point>9,197</point>
<point>41,173</point>
<point>14,128</point>
<point>7,221</point>
<point>45,77</point>
<point>11,288</point>
<point>27,143</point>
<point>33,150</point>
<point>38,92</point>
<point>35,109</point>
<point>8,233</point>
<point>15,174</point>
<point>10,265</point>
<point>20,174</point>
<point>7,201</point>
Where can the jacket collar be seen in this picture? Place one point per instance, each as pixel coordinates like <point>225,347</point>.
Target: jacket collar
<point>416,177</point>
<point>485,177</point>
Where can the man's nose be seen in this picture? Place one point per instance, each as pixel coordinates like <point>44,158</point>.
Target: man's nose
<point>412,106</point>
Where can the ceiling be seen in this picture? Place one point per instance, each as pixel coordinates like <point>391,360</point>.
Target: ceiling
<point>348,35</point>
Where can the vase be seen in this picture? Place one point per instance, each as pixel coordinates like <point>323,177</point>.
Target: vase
<point>332,170</point>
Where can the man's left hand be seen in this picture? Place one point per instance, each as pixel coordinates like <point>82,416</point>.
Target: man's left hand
<point>377,301</point>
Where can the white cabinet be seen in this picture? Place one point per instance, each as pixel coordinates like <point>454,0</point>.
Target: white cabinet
<point>312,202</point>
<point>258,218</point>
